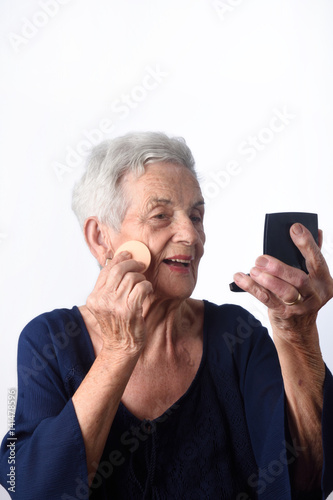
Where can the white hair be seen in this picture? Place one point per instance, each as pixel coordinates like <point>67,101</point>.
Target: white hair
<point>99,192</point>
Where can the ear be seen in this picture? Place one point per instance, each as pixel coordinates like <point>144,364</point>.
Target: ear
<point>98,238</point>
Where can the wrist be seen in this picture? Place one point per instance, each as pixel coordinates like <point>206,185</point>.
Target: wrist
<point>120,355</point>
<point>296,329</point>
<point>300,358</point>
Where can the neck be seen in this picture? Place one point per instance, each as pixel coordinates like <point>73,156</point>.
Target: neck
<point>171,326</point>
<point>170,318</point>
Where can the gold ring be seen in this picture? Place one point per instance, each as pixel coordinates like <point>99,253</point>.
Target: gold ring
<point>295,301</point>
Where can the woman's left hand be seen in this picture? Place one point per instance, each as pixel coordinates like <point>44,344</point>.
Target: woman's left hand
<point>292,296</point>
<point>293,299</point>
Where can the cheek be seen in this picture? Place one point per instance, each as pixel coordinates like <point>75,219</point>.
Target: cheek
<point>202,237</point>
<point>156,246</point>
<point>157,241</point>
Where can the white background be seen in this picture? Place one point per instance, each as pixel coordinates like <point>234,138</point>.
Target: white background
<point>222,72</point>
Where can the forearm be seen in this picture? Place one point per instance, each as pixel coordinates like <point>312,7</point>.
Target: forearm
<point>303,373</point>
<point>97,399</point>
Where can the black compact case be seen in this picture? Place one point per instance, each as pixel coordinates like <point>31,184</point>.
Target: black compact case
<point>277,240</point>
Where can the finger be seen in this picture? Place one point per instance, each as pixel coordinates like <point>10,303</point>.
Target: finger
<point>138,295</point>
<point>102,277</point>
<point>249,285</point>
<point>124,255</point>
<point>283,290</point>
<point>268,265</point>
<point>129,281</point>
<point>268,298</point>
<point>320,238</point>
<point>304,241</point>
<point>105,278</point>
<point>110,262</point>
<point>121,257</point>
<point>116,273</point>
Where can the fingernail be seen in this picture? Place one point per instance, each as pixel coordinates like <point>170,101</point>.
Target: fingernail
<point>261,262</point>
<point>239,276</point>
<point>297,229</point>
<point>125,254</point>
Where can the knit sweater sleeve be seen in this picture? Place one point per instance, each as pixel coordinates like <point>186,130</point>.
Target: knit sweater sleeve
<point>46,445</point>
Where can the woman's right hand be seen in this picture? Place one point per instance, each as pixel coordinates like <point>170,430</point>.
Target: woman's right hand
<point>116,303</point>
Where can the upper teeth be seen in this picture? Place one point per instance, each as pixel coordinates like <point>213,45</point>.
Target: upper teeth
<point>180,260</point>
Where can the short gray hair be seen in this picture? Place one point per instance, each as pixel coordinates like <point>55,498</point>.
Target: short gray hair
<point>99,192</point>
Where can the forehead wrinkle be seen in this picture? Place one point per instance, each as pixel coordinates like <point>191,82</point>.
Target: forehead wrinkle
<point>153,201</point>
<point>155,187</point>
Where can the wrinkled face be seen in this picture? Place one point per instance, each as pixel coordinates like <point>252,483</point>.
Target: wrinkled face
<point>166,213</point>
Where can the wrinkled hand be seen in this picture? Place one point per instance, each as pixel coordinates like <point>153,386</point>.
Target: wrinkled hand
<point>116,302</point>
<point>275,284</point>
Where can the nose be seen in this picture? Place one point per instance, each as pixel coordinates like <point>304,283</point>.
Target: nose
<point>185,231</point>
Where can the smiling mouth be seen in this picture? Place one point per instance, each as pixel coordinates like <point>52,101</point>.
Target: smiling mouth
<point>177,262</point>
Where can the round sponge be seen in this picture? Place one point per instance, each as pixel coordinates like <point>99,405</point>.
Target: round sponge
<point>139,251</point>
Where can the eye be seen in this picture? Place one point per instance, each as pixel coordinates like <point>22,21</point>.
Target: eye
<point>161,219</point>
<point>160,216</point>
<point>197,217</point>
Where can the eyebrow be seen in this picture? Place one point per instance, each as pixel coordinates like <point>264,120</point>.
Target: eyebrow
<point>199,203</point>
<point>160,200</point>
<point>167,201</point>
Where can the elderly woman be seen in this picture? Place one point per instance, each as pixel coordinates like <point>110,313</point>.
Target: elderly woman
<point>146,393</point>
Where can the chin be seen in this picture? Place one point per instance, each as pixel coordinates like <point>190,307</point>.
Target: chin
<point>174,286</point>
<point>177,293</point>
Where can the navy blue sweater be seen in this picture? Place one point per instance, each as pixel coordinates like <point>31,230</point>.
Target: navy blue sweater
<point>225,438</point>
